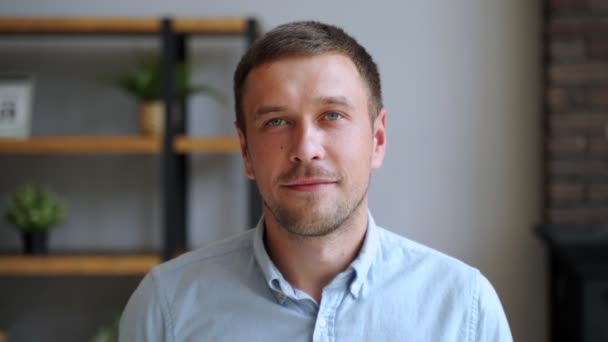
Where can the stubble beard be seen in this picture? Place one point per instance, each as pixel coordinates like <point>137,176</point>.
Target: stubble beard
<point>311,218</point>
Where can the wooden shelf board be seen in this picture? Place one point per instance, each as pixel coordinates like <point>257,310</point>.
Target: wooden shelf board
<point>210,25</point>
<point>149,25</point>
<point>185,144</point>
<point>77,265</point>
<point>83,144</point>
<point>117,144</point>
<point>79,25</point>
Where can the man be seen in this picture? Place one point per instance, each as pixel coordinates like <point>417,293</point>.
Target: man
<point>312,127</point>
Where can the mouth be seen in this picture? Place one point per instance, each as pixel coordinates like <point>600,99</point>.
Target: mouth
<point>309,185</point>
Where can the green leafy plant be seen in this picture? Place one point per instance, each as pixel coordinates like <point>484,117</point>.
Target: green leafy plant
<point>33,208</point>
<point>145,83</point>
<point>108,333</point>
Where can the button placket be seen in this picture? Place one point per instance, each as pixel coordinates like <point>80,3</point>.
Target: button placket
<point>324,325</point>
<point>322,322</point>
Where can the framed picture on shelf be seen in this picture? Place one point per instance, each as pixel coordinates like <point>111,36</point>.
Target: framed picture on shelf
<point>16,94</point>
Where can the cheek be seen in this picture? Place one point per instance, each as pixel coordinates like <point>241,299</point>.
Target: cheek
<point>269,147</point>
<point>353,160</point>
<point>356,146</point>
<point>265,156</point>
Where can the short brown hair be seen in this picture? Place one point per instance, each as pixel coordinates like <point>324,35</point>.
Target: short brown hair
<point>306,38</point>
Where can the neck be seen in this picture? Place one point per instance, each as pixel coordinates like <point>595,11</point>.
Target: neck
<point>310,263</point>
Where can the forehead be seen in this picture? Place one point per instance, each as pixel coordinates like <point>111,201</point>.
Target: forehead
<point>296,79</point>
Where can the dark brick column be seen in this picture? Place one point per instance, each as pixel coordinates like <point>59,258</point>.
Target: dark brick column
<point>576,112</point>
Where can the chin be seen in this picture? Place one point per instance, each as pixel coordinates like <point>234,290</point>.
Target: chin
<point>309,221</point>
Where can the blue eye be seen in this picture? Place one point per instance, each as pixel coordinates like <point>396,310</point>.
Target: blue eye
<point>333,116</point>
<point>275,122</point>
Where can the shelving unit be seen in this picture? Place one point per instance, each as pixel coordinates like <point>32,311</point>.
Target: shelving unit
<point>173,148</point>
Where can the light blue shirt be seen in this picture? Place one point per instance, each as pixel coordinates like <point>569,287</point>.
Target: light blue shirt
<point>395,290</point>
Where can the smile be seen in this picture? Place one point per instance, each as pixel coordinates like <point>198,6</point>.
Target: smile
<point>309,185</point>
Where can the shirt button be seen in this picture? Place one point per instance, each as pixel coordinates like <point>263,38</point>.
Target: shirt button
<point>322,322</point>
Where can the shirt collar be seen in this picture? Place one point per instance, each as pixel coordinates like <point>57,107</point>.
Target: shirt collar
<point>281,288</point>
<point>364,260</point>
<point>273,276</point>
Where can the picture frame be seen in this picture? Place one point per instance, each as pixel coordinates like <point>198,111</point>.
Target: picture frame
<point>16,97</point>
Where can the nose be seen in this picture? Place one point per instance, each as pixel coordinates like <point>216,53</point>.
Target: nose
<point>307,144</point>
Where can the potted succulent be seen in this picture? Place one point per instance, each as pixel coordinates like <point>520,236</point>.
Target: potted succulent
<point>145,85</point>
<point>34,211</point>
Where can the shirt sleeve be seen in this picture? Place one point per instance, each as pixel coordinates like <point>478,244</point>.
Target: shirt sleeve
<point>492,324</point>
<point>145,318</point>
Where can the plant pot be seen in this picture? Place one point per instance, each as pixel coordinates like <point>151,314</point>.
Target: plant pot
<point>35,242</point>
<point>152,117</point>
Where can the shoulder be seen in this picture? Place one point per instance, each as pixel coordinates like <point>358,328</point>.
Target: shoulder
<point>156,309</point>
<point>206,263</point>
<point>415,268</point>
<point>167,296</point>
<point>414,256</point>
<point>448,281</point>
<point>490,321</point>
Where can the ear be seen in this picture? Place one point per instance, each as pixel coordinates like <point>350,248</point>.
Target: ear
<point>379,139</point>
<point>244,152</point>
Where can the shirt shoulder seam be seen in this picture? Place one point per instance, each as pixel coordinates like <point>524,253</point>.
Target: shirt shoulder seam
<point>165,307</point>
<point>474,308</point>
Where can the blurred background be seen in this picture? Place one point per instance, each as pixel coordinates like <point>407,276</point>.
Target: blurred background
<point>462,84</point>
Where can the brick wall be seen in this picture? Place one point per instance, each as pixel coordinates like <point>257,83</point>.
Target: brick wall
<point>576,111</point>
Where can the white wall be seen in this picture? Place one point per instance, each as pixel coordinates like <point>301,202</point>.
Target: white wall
<point>461,85</point>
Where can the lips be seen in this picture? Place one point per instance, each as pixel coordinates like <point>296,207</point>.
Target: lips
<point>309,185</point>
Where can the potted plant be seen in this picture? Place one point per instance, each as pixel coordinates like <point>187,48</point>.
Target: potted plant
<point>34,211</point>
<point>145,85</point>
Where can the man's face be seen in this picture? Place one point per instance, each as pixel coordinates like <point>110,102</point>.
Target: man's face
<point>310,144</point>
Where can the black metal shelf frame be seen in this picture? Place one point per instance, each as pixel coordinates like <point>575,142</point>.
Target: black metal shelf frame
<point>174,166</point>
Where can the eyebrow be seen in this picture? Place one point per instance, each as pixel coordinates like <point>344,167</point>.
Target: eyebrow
<point>324,100</point>
<point>335,100</point>
<point>265,110</point>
